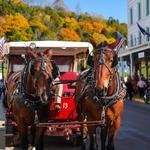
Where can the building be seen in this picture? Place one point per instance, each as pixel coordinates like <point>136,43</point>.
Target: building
<point>137,55</point>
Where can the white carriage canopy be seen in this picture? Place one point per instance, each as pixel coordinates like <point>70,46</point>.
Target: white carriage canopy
<point>65,53</point>
<point>67,48</point>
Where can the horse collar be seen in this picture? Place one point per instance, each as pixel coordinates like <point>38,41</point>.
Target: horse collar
<point>110,100</point>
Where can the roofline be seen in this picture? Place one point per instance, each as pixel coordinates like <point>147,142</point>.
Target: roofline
<point>65,46</point>
<point>62,44</point>
<point>136,49</point>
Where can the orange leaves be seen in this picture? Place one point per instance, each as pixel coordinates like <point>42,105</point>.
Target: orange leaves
<point>46,23</point>
<point>70,20</point>
<point>87,26</point>
<point>98,38</point>
<point>67,34</point>
<point>16,24</point>
<point>37,22</point>
<point>2,28</point>
<point>38,25</point>
<point>98,27</point>
<point>111,40</point>
<point>71,23</point>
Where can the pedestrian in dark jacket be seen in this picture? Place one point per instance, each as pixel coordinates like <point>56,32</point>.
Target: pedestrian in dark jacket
<point>129,89</point>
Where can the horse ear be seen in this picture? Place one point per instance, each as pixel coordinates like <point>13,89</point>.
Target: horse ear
<point>48,53</point>
<point>31,53</point>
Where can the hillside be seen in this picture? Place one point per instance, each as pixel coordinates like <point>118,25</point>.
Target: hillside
<point>20,21</point>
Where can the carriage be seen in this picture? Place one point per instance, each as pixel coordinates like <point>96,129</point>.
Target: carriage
<point>70,58</point>
<point>102,91</point>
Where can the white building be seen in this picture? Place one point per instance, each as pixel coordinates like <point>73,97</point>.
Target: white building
<point>138,53</point>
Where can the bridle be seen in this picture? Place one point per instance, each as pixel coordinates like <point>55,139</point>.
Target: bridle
<point>29,70</point>
<point>102,53</point>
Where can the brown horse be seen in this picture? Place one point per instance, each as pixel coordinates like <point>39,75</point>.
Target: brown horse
<point>99,96</point>
<point>27,95</point>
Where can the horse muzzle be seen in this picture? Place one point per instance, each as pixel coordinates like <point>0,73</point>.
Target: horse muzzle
<point>101,91</point>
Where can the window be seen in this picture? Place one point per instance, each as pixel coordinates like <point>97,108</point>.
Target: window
<point>140,38</point>
<point>18,67</point>
<point>131,40</point>
<point>131,16</point>
<point>139,11</point>
<point>64,68</point>
<point>147,37</point>
<point>147,7</point>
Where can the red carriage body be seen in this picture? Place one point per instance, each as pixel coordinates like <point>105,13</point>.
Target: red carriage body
<point>68,107</point>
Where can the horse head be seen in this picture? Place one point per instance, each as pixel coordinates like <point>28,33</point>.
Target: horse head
<point>105,61</point>
<point>39,74</point>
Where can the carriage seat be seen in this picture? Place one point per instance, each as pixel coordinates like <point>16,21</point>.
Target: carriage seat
<point>68,90</point>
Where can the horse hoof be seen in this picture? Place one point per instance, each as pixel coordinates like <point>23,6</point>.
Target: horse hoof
<point>31,148</point>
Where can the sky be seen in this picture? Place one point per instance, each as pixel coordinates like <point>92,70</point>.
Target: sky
<point>105,8</point>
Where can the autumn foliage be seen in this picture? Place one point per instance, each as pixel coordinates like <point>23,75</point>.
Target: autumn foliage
<point>20,21</point>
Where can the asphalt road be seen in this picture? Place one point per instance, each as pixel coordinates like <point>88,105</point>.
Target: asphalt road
<point>2,118</point>
<point>134,133</point>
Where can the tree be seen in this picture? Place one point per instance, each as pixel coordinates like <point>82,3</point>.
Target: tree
<point>67,34</point>
<point>37,2</point>
<point>57,4</point>
<point>16,27</point>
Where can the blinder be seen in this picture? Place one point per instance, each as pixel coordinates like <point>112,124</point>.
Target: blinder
<point>115,60</point>
<point>32,68</point>
<point>102,59</point>
<point>32,63</point>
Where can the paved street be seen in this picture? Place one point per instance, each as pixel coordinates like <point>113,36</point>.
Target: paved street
<point>2,139</point>
<point>134,133</point>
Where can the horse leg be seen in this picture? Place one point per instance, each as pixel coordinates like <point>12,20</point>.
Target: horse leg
<point>93,142</point>
<point>112,132</point>
<point>84,131</point>
<point>39,139</point>
<point>103,137</point>
<point>33,131</point>
<point>23,131</point>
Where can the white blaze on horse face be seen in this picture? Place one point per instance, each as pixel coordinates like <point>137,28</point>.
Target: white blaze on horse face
<point>103,77</point>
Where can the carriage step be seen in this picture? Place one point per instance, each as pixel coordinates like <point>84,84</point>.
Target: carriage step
<point>9,124</point>
<point>9,148</point>
<point>9,135</point>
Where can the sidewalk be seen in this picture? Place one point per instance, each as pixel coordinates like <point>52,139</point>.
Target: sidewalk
<point>138,99</point>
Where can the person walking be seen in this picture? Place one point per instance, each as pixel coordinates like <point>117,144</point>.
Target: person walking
<point>1,88</point>
<point>129,89</point>
<point>141,87</point>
